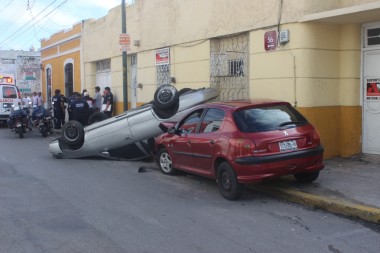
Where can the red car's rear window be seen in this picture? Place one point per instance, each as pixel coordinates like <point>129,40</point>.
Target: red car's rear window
<point>268,118</point>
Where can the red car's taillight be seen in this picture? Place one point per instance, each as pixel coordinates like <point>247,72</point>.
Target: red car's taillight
<point>314,138</point>
<point>242,147</point>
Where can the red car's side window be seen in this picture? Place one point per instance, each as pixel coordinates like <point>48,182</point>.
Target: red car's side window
<point>212,121</point>
<point>189,124</point>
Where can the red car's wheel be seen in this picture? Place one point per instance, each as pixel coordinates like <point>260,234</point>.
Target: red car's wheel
<point>165,162</point>
<point>307,177</point>
<point>228,185</point>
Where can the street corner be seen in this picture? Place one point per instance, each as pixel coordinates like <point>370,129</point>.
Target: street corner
<point>333,204</point>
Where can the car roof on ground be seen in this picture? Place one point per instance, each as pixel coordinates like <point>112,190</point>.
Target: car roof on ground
<point>249,102</point>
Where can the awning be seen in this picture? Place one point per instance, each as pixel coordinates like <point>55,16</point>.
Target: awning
<point>358,14</point>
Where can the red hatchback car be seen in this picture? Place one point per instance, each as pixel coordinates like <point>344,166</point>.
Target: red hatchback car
<point>240,142</point>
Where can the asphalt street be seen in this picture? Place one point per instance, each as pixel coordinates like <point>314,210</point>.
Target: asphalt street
<point>94,205</point>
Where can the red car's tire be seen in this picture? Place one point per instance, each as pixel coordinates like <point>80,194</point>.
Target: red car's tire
<point>165,162</point>
<point>306,177</point>
<point>228,184</point>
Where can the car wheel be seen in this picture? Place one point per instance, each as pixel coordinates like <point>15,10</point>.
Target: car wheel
<point>228,184</point>
<point>166,96</point>
<point>165,162</point>
<point>73,133</point>
<point>306,177</point>
<point>97,117</point>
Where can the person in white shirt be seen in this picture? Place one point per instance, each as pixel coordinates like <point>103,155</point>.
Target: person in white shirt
<point>35,99</point>
<point>26,100</point>
<point>40,99</point>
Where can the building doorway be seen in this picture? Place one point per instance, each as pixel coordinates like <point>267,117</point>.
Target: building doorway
<point>69,79</point>
<point>48,87</point>
<point>371,89</point>
<point>134,81</point>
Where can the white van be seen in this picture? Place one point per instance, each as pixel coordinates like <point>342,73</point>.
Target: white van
<point>9,95</point>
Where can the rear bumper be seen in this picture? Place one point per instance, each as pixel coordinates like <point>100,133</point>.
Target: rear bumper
<point>256,169</point>
<point>253,160</point>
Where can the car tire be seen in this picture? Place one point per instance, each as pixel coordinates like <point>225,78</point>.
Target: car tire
<point>306,177</point>
<point>166,96</point>
<point>73,133</point>
<point>44,131</point>
<point>96,117</point>
<point>166,113</point>
<point>165,162</point>
<point>227,181</point>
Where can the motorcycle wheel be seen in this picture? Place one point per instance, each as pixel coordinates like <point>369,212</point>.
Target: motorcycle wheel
<point>44,131</point>
<point>20,131</point>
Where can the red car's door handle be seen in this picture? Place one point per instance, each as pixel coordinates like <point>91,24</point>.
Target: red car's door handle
<point>212,142</point>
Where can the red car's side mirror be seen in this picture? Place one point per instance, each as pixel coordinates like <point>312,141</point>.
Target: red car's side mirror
<point>172,130</point>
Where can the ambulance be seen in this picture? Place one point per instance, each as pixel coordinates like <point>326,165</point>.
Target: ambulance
<point>9,95</point>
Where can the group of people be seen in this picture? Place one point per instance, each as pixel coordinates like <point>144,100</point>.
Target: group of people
<point>80,106</point>
<point>36,101</point>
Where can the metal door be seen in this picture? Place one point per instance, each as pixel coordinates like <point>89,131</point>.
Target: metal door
<point>371,102</point>
<point>229,66</point>
<point>134,81</point>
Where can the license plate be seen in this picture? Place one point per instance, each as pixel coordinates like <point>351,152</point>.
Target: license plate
<point>288,145</point>
<point>18,124</point>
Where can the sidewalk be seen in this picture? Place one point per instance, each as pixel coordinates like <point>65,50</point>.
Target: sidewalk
<point>349,187</point>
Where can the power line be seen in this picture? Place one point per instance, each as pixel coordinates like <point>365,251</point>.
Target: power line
<point>5,7</point>
<point>14,35</point>
<point>13,20</point>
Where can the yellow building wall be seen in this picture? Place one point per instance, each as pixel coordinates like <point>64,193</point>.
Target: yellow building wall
<point>58,73</point>
<point>77,28</point>
<point>319,72</point>
<point>55,51</point>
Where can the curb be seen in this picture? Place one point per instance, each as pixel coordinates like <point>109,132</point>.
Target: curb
<point>332,205</point>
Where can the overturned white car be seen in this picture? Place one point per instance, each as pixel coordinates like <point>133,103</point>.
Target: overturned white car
<point>130,134</point>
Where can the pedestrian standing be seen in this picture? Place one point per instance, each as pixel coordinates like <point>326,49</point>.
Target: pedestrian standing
<point>35,100</point>
<point>26,100</point>
<point>80,109</point>
<point>58,106</point>
<point>64,99</point>
<point>69,101</point>
<point>107,106</point>
<point>40,100</point>
<point>97,100</point>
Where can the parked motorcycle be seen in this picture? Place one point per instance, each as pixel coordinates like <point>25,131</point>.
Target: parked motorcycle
<point>18,120</point>
<point>42,118</point>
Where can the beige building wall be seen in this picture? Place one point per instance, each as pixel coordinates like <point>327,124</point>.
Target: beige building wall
<point>318,70</point>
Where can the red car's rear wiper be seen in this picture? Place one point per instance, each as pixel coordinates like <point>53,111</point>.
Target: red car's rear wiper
<point>292,123</point>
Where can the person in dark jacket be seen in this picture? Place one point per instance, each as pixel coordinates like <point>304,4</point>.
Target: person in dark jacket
<point>71,99</point>
<point>80,109</point>
<point>59,109</point>
<point>107,105</point>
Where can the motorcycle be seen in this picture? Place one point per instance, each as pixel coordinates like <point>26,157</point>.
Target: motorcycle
<point>42,118</point>
<point>18,120</point>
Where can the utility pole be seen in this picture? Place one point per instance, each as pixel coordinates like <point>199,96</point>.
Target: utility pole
<point>125,74</point>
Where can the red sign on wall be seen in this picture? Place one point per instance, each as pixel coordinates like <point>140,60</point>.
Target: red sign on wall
<point>163,56</point>
<point>270,40</point>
